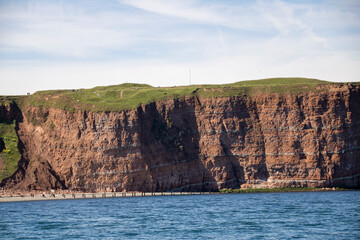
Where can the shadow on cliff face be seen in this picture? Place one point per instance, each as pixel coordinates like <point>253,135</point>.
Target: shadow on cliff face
<point>354,103</point>
<point>28,176</point>
<point>345,170</point>
<point>169,148</point>
<point>225,169</point>
<point>170,139</point>
<point>350,164</point>
<point>261,170</point>
<point>9,114</point>
<point>242,115</point>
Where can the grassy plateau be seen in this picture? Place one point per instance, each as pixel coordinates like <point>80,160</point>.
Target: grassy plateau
<point>129,95</point>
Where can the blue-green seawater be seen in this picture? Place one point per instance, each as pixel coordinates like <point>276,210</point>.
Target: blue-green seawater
<point>299,215</point>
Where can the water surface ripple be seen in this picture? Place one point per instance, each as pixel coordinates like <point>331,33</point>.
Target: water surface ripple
<point>299,215</point>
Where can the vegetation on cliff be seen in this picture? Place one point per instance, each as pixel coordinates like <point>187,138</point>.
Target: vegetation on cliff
<point>129,96</point>
<point>9,152</point>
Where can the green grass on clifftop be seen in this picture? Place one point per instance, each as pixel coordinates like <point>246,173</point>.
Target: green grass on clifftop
<point>130,95</point>
<point>9,152</point>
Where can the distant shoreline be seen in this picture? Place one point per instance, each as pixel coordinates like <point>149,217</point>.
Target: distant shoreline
<point>284,189</point>
<point>67,196</point>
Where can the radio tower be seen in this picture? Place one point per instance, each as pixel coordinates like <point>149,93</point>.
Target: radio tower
<point>189,76</point>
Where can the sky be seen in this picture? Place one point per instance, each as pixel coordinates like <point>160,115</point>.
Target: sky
<point>86,43</point>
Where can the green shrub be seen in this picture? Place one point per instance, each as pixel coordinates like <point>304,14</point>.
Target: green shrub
<point>10,155</point>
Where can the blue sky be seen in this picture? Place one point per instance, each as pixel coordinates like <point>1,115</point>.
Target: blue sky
<point>87,43</point>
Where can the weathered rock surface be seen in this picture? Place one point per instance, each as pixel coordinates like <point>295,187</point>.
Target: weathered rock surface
<point>194,144</point>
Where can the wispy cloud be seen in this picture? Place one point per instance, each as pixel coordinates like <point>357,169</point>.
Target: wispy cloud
<point>57,29</point>
<point>190,10</point>
<point>242,38</point>
<point>285,19</point>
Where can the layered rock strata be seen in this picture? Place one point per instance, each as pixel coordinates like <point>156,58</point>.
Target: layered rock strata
<point>194,144</point>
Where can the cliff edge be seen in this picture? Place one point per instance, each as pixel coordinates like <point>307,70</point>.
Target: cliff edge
<point>203,139</point>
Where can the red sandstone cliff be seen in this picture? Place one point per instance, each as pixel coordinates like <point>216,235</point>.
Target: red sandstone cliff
<point>272,140</point>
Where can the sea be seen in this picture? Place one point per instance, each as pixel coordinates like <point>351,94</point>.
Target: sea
<point>292,215</point>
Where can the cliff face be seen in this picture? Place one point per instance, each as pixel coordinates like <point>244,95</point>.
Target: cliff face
<point>202,144</point>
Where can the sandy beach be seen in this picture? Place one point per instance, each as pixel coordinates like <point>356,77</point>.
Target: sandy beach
<point>54,196</point>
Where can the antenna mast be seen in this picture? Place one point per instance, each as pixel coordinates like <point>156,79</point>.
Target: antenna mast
<point>189,76</point>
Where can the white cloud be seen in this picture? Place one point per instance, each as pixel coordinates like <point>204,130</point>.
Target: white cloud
<point>55,29</point>
<point>156,41</point>
<point>287,22</point>
<point>183,9</point>
<point>31,78</point>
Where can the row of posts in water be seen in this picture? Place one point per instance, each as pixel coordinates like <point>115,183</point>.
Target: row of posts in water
<point>120,194</point>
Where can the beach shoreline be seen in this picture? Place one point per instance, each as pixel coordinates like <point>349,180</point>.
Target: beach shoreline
<point>53,195</point>
<point>67,196</point>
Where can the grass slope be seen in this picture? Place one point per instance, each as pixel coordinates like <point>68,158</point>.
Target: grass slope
<point>129,96</point>
<point>9,152</point>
